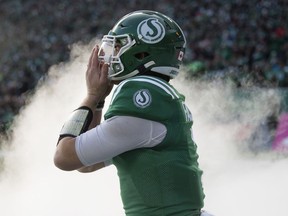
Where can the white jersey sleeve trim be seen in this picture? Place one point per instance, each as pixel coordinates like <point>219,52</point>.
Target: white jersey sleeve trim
<point>117,135</point>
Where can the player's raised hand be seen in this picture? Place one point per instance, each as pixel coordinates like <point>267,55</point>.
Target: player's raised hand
<point>97,81</point>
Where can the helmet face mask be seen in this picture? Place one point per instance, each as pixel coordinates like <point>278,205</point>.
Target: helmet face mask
<point>112,47</point>
<point>143,41</point>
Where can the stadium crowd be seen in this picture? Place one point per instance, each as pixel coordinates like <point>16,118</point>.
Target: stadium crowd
<point>248,40</point>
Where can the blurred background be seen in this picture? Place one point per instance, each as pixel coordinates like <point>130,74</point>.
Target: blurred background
<point>242,42</point>
<point>234,78</point>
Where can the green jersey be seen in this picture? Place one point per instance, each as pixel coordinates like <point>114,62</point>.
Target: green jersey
<point>165,179</point>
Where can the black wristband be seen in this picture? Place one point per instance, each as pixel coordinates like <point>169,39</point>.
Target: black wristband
<point>100,105</point>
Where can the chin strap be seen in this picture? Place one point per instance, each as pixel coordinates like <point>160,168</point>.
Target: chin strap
<point>77,123</point>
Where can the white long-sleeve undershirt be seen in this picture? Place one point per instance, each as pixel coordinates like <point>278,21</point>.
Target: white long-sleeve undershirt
<point>117,135</point>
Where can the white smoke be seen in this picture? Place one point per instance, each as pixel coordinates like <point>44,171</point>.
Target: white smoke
<point>31,185</point>
<point>235,182</point>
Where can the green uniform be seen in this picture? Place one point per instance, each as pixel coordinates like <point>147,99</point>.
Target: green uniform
<point>163,180</point>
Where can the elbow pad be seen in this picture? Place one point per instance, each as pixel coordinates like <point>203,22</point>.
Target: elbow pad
<point>77,123</point>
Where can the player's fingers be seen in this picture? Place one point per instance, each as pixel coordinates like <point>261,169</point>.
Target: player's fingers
<point>94,60</point>
<point>90,58</point>
<point>104,71</point>
<point>92,65</point>
<point>96,55</point>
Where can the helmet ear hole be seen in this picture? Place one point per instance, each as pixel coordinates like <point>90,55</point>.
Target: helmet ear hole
<point>141,55</point>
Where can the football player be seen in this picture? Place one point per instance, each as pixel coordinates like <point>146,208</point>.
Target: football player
<point>147,131</point>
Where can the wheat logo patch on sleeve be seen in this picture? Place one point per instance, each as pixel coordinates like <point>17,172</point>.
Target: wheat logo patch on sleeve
<point>142,98</point>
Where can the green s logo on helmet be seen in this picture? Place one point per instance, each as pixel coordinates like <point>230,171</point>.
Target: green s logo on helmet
<point>151,31</point>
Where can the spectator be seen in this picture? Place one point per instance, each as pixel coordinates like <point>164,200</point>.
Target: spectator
<point>248,36</point>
